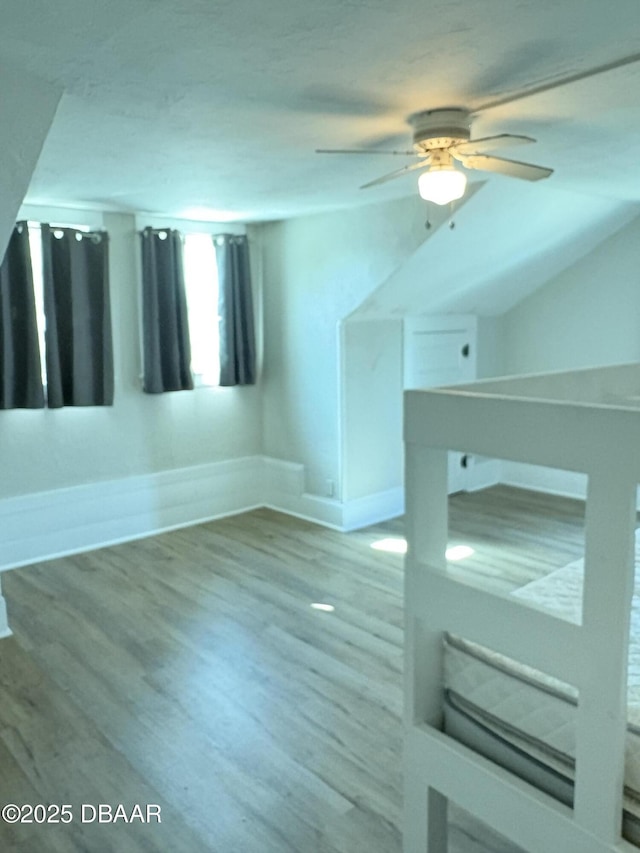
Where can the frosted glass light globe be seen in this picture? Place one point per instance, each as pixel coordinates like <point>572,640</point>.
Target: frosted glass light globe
<point>442,185</point>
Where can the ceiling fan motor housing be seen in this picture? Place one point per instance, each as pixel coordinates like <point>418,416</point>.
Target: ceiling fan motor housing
<point>443,128</point>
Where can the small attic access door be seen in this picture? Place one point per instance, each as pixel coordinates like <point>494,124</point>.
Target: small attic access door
<point>441,350</point>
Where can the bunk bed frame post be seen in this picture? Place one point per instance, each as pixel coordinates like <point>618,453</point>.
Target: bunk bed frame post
<point>425,810</point>
<point>602,701</point>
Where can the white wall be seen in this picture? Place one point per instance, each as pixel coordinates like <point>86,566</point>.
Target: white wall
<point>586,316</point>
<point>141,433</point>
<point>372,388</point>
<point>333,378</point>
<point>490,356</point>
<point>317,270</point>
<point>372,407</point>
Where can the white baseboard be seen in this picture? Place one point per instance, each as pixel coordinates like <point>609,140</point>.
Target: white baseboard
<point>372,509</point>
<point>283,490</point>
<point>45,525</point>
<point>566,484</point>
<point>569,484</point>
<point>484,473</point>
<point>51,524</point>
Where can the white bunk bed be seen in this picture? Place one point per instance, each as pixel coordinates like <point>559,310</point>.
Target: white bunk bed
<point>585,421</point>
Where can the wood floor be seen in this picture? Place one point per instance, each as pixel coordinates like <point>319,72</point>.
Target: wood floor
<point>188,670</point>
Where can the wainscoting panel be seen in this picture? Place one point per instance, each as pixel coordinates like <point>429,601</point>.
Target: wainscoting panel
<point>51,524</point>
<point>283,489</point>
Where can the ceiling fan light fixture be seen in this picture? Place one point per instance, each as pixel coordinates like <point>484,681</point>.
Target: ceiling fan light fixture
<point>442,184</point>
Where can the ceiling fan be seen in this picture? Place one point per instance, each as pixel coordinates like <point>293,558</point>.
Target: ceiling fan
<point>443,136</point>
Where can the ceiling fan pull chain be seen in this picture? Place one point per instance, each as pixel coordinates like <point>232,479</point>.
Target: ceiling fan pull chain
<point>452,223</point>
<point>428,224</point>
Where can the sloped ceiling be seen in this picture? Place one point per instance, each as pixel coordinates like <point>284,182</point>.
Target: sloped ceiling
<point>21,138</point>
<point>214,109</point>
<point>506,240</point>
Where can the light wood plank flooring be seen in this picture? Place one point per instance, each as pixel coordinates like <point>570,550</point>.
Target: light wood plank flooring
<point>188,670</point>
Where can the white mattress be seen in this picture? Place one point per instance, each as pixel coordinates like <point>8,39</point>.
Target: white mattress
<point>533,711</point>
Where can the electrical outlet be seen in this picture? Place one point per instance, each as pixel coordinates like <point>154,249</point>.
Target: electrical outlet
<point>330,488</point>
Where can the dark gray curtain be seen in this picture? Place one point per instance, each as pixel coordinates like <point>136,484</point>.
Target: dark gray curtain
<point>237,335</point>
<point>167,351</point>
<point>20,373</point>
<point>79,349</point>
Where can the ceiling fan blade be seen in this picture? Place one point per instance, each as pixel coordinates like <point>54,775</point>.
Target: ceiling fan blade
<point>490,143</point>
<point>332,100</point>
<point>513,168</point>
<point>421,164</point>
<point>558,82</point>
<point>363,151</point>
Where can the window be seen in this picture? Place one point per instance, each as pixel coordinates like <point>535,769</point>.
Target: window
<point>201,286</point>
<point>191,329</point>
<point>35,247</point>
<point>63,286</point>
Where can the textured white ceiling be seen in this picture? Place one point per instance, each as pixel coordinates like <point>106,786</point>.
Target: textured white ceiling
<point>217,105</point>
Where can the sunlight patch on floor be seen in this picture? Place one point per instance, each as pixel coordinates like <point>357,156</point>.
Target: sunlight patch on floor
<point>397,545</point>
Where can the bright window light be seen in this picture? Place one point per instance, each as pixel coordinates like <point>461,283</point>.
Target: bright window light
<point>201,285</point>
<point>35,248</point>
<point>326,608</point>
